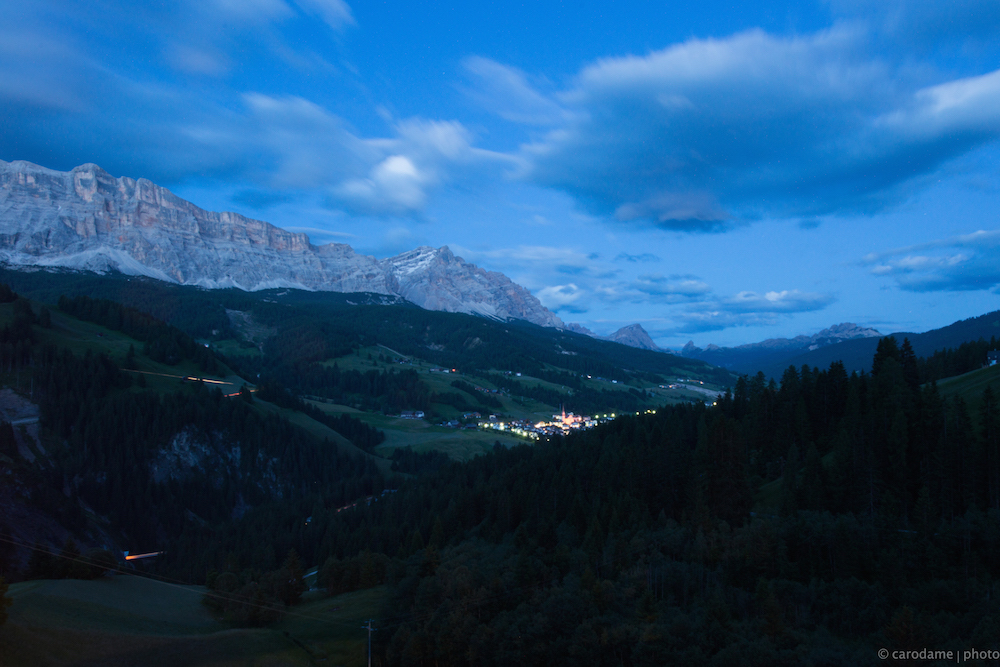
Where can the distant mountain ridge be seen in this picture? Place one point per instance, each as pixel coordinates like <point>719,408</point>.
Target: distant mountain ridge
<point>857,354</point>
<point>752,356</point>
<point>853,345</point>
<point>87,219</point>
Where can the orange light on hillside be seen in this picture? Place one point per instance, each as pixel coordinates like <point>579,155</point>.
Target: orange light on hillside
<point>192,378</point>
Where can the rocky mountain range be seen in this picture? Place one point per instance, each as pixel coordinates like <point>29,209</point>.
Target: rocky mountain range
<point>750,357</point>
<point>87,219</point>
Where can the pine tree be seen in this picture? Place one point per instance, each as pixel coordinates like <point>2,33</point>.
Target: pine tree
<point>908,359</point>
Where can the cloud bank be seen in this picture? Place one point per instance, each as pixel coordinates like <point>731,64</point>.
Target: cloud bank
<point>700,136</point>
<point>960,264</point>
<point>711,133</point>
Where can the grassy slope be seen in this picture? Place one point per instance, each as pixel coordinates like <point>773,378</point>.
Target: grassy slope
<point>125,620</point>
<point>458,444</point>
<point>970,386</point>
<point>441,382</point>
<point>79,337</point>
<point>321,431</point>
<point>462,445</point>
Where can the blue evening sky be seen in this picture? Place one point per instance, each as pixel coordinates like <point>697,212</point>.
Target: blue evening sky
<point>716,171</point>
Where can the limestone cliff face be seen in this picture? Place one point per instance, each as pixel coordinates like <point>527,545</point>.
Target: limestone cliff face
<point>88,219</point>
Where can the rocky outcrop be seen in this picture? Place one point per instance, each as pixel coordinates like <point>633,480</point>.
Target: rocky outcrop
<point>87,219</point>
<point>580,329</point>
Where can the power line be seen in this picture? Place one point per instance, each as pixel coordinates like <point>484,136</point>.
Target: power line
<point>370,631</point>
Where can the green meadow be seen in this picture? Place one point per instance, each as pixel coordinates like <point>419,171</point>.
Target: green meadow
<point>130,620</point>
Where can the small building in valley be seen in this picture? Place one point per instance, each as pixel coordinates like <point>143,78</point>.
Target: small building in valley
<point>993,358</point>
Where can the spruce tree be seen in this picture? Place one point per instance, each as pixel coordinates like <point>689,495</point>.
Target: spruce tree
<point>888,348</point>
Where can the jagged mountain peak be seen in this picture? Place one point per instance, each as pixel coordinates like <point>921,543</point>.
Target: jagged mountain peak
<point>88,219</point>
<point>634,335</point>
<point>438,280</point>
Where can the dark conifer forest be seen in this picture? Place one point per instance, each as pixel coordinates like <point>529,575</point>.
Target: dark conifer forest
<point>810,522</point>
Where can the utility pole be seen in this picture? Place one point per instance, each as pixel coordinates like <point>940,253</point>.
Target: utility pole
<point>370,630</point>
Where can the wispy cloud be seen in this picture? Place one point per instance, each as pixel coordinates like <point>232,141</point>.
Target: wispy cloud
<point>745,309</point>
<point>962,263</point>
<point>530,254</point>
<point>921,26</point>
<point>336,13</point>
<point>652,289</point>
<point>508,93</point>
<point>644,257</point>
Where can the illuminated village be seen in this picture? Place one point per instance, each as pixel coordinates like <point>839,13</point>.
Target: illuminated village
<point>561,424</point>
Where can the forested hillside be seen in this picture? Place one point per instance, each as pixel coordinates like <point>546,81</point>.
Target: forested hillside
<point>812,522</point>
<point>117,463</point>
<point>294,339</point>
<point>311,326</point>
